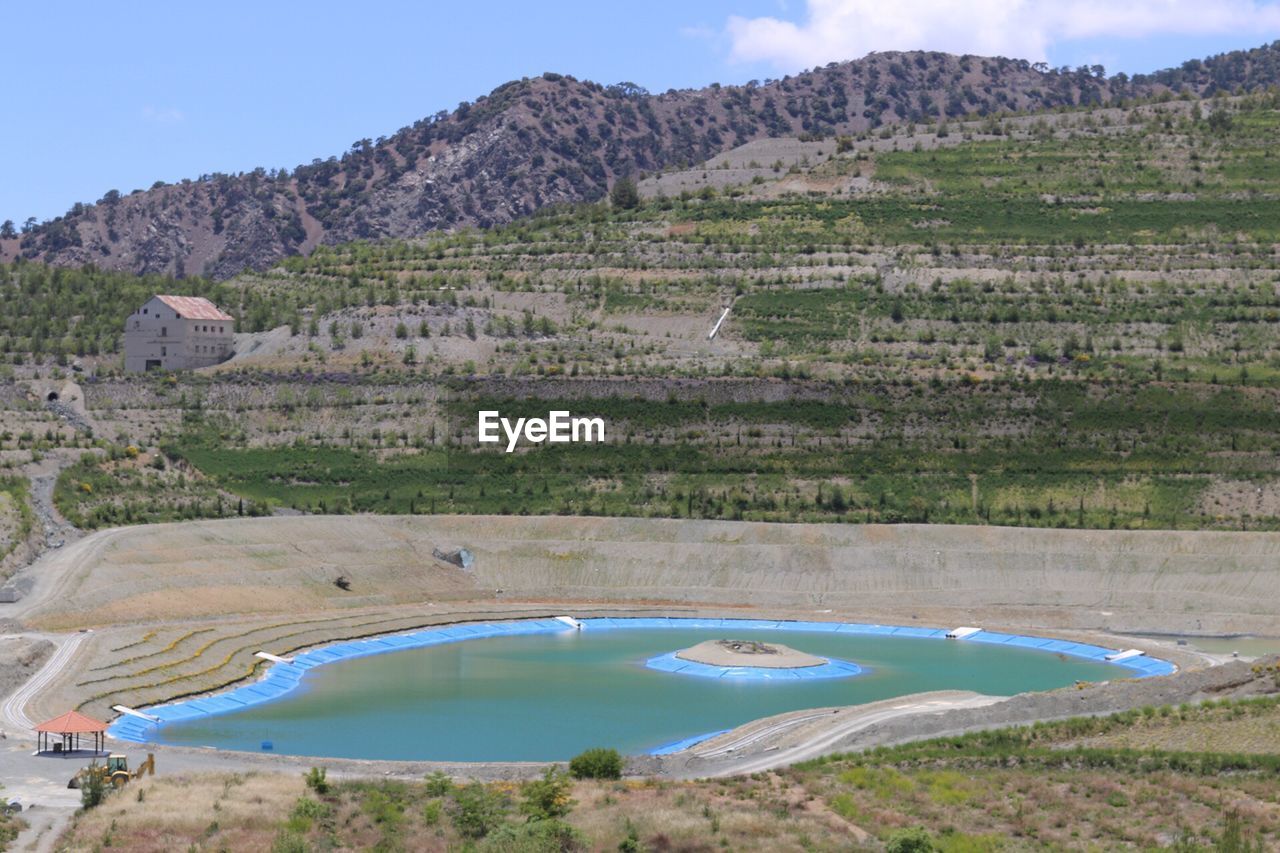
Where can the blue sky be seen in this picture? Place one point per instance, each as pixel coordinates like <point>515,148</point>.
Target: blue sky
<point>116,96</point>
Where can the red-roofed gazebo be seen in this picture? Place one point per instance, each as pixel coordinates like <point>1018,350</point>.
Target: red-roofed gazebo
<point>70,726</point>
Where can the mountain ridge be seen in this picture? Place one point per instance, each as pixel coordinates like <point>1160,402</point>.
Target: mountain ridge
<point>556,139</point>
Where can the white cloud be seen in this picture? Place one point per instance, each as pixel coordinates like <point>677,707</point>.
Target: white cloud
<point>166,115</point>
<point>847,29</point>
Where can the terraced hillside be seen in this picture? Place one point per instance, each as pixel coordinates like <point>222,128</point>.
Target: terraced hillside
<point>1059,320</point>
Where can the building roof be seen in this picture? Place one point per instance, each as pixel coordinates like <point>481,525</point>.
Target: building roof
<point>194,308</point>
<point>72,722</point>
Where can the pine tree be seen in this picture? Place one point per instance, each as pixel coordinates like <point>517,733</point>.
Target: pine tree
<point>624,195</point>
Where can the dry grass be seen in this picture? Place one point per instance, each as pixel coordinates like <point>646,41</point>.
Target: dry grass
<point>1056,809</point>
<point>966,804</point>
<point>253,811</point>
<point>733,814</point>
<point>1255,732</point>
<point>197,812</point>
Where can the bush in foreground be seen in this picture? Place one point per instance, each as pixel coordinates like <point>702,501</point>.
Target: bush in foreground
<point>597,763</point>
<point>916,840</point>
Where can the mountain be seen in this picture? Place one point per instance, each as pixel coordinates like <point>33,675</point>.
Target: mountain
<point>555,139</point>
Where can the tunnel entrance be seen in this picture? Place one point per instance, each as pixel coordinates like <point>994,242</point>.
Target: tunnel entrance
<point>51,397</point>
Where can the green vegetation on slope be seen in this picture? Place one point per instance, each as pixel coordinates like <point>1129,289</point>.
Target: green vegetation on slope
<point>1049,453</point>
<point>1069,324</point>
<point>16,517</point>
<point>62,313</point>
<point>124,486</point>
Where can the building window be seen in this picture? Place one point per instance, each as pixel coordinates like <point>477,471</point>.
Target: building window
<point>164,331</point>
<point>164,351</point>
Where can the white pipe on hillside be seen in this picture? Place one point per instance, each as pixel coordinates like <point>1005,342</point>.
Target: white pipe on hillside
<point>132,713</point>
<point>716,327</point>
<point>271,657</point>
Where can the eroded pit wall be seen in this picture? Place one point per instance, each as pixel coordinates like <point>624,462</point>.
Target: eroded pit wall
<point>1199,582</point>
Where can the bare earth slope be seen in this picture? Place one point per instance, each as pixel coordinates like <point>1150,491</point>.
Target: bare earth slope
<point>1109,580</point>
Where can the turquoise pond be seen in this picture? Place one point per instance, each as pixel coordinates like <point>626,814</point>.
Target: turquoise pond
<point>550,692</point>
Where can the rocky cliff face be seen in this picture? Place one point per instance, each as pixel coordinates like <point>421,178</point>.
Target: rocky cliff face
<point>553,139</point>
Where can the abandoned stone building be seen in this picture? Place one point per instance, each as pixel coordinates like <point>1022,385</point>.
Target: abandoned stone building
<point>177,333</point>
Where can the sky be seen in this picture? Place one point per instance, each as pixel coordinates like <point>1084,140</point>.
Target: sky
<point>101,96</point>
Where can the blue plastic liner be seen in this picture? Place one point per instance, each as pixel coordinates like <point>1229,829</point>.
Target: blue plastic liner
<point>281,678</point>
<point>677,745</point>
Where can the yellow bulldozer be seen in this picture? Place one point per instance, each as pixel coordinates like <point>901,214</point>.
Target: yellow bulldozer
<point>115,772</point>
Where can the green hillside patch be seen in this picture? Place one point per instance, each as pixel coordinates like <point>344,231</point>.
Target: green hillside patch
<point>16,518</point>
<point>1053,454</point>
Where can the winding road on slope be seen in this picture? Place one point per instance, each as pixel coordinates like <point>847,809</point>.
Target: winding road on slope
<point>30,780</point>
<point>13,716</point>
<point>724,755</point>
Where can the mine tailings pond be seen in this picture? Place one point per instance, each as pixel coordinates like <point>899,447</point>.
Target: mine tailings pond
<point>550,693</point>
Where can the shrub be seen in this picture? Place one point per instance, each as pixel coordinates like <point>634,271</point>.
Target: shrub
<point>289,842</point>
<point>478,810</point>
<point>305,812</point>
<point>543,836</point>
<point>916,840</point>
<point>597,763</point>
<point>548,798</point>
<point>93,790</point>
<point>384,804</point>
<point>631,841</point>
<point>438,784</point>
<point>310,809</point>
<point>316,780</point>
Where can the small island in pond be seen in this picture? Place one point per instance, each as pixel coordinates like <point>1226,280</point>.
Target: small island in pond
<point>748,653</point>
